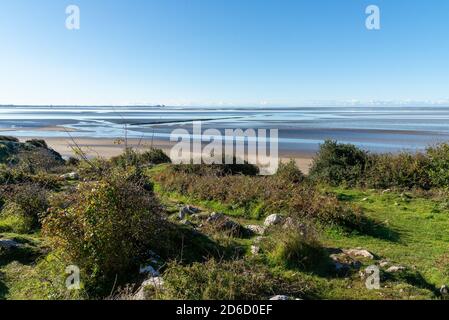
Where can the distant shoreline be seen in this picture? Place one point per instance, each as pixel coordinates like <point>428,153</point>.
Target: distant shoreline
<point>107,148</point>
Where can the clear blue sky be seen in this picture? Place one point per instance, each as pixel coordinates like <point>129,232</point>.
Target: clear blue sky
<point>222,51</point>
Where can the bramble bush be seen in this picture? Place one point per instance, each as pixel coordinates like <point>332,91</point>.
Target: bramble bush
<point>109,227</point>
<point>439,165</point>
<point>130,157</point>
<point>343,164</point>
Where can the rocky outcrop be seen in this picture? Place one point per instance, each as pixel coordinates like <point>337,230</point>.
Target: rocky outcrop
<point>36,151</point>
<point>8,244</point>
<point>187,210</point>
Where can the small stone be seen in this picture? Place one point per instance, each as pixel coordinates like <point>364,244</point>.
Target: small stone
<point>359,253</point>
<point>444,290</point>
<point>384,263</point>
<point>187,210</point>
<point>256,229</point>
<point>70,176</point>
<point>386,191</point>
<point>215,216</point>
<point>365,199</point>
<point>272,220</point>
<point>255,250</point>
<point>280,297</point>
<point>394,269</point>
<point>343,262</point>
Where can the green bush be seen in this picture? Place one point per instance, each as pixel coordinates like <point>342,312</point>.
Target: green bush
<point>154,156</point>
<point>295,245</point>
<point>109,226</point>
<point>227,280</point>
<point>403,170</point>
<point>338,164</point>
<point>32,199</point>
<point>290,173</point>
<point>439,165</point>
<point>130,157</point>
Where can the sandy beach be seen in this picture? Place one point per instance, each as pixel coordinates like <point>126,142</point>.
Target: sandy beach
<point>107,148</point>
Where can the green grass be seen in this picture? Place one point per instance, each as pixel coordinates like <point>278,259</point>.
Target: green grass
<point>412,231</point>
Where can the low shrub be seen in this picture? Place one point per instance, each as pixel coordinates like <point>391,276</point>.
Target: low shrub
<point>130,157</point>
<point>109,226</point>
<point>27,201</point>
<point>338,164</point>
<point>290,173</point>
<point>439,165</point>
<point>402,170</point>
<point>154,156</point>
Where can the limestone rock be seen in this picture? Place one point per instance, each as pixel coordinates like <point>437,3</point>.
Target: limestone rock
<point>359,253</point>
<point>395,269</point>
<point>272,220</point>
<point>70,176</point>
<point>256,229</point>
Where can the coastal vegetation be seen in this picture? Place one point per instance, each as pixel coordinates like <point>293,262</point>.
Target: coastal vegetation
<point>138,227</point>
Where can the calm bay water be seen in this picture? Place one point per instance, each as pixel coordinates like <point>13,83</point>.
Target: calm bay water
<point>377,128</point>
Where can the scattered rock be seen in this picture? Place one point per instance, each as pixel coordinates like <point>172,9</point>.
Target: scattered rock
<point>70,176</point>
<point>187,210</point>
<point>9,244</point>
<point>272,220</point>
<point>394,269</point>
<point>222,222</point>
<point>283,297</point>
<point>365,199</point>
<point>280,297</point>
<point>188,223</point>
<point>386,191</point>
<point>359,253</point>
<point>215,216</point>
<point>444,291</point>
<point>256,229</point>
<point>258,240</point>
<point>231,225</point>
<point>344,263</point>
<point>384,263</point>
<point>255,250</point>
